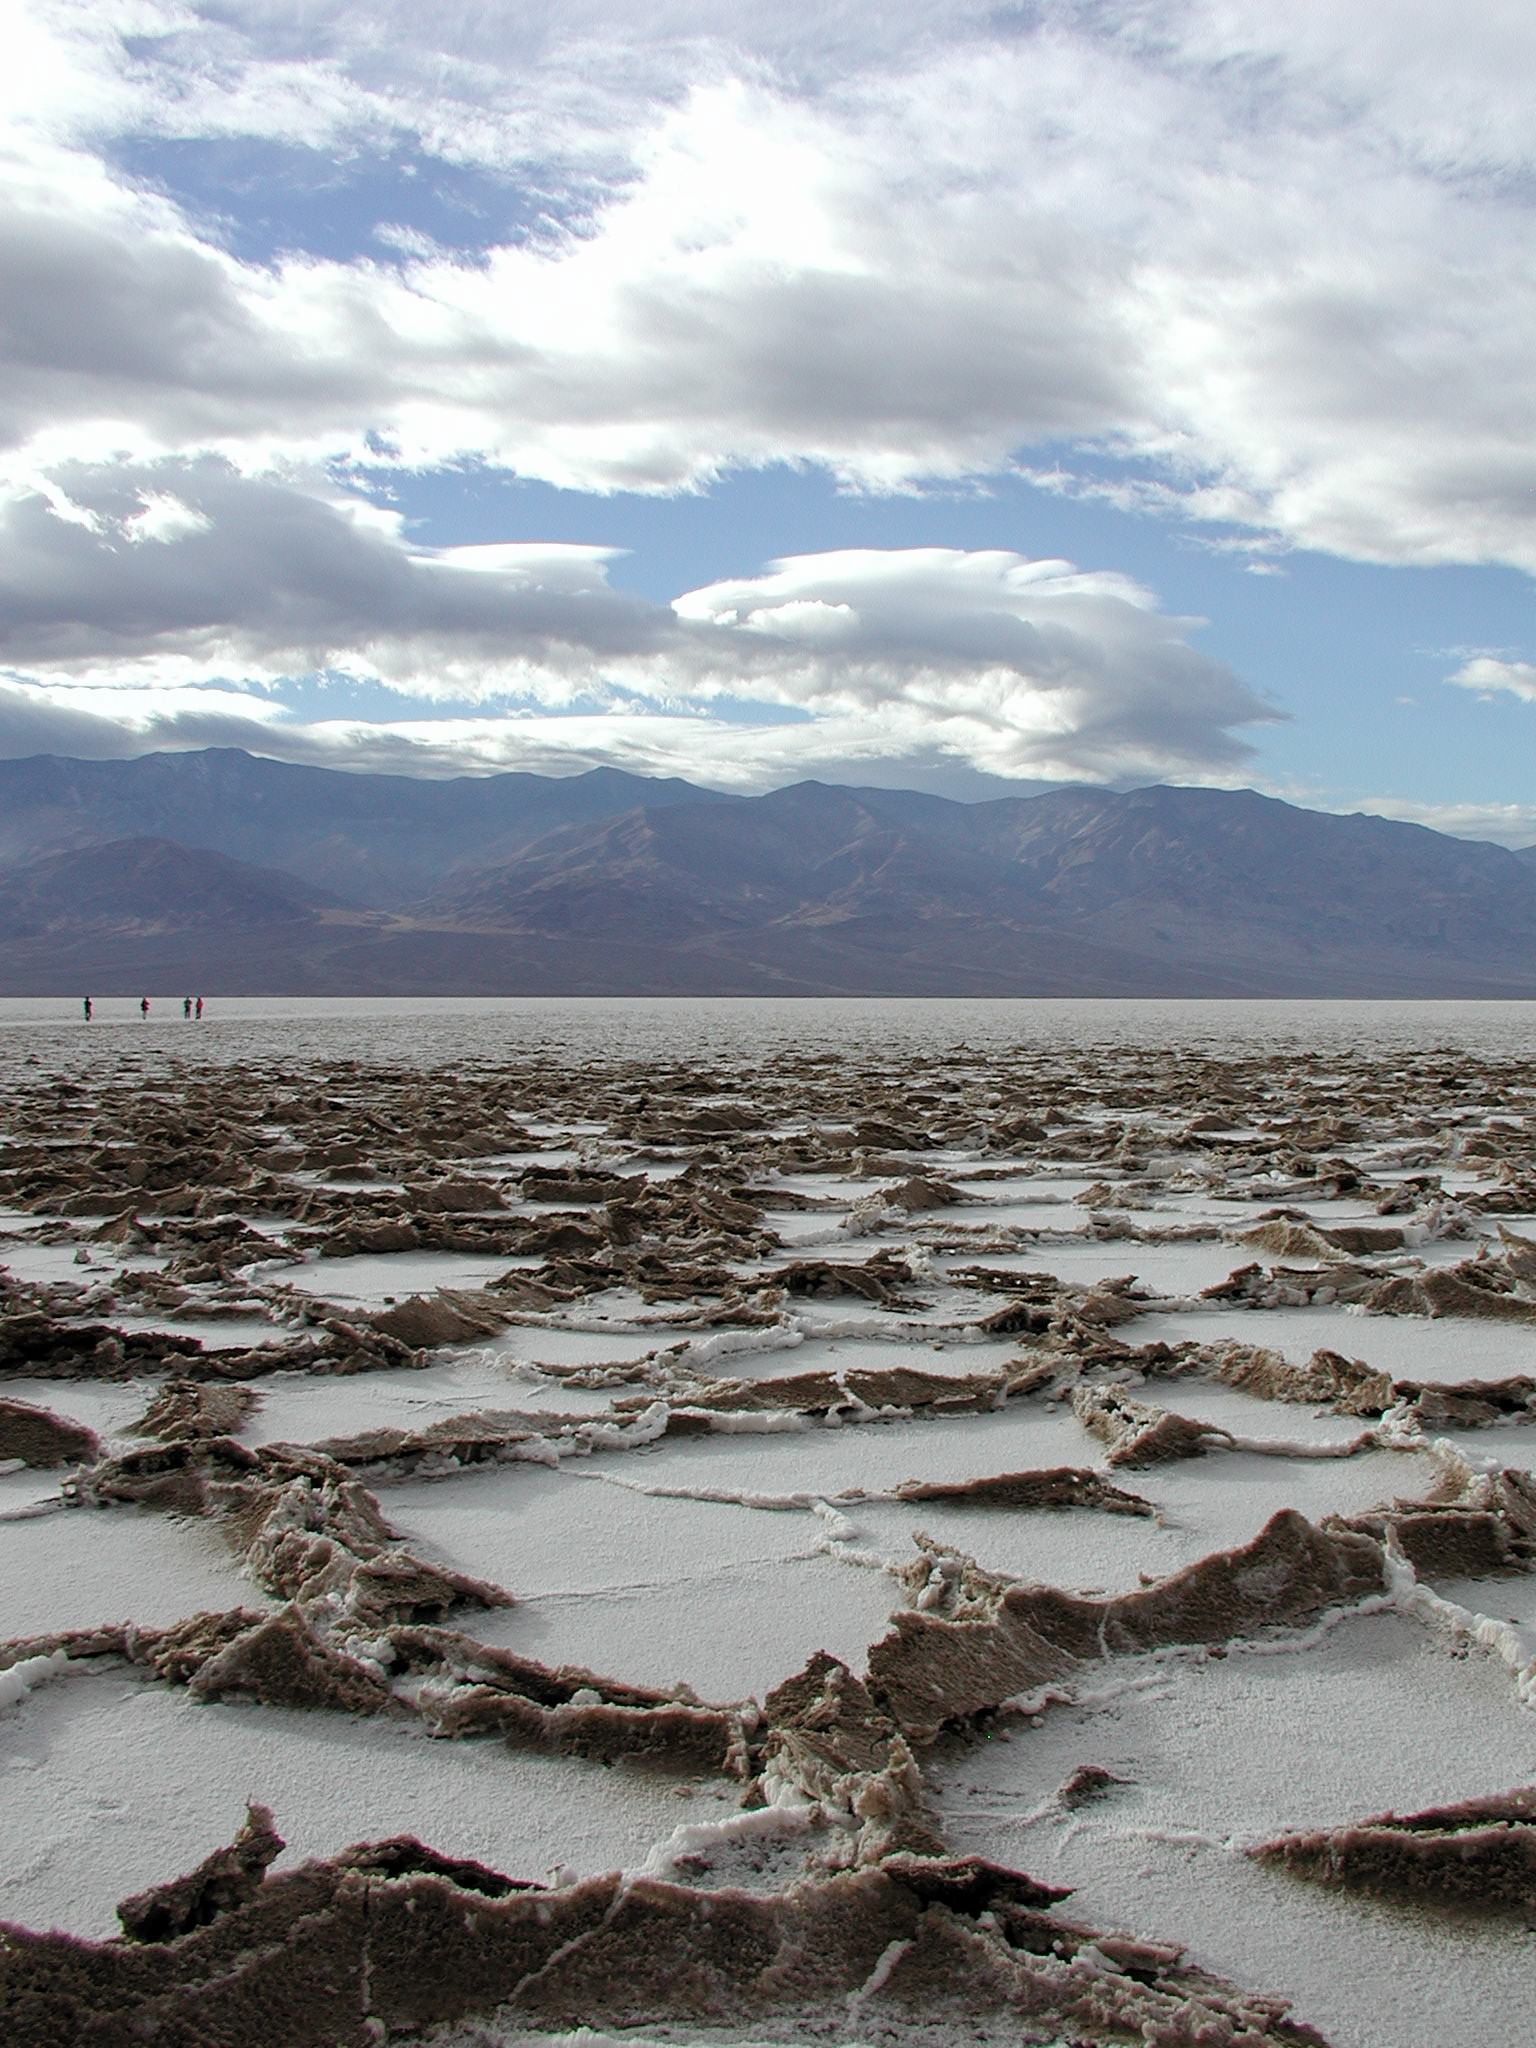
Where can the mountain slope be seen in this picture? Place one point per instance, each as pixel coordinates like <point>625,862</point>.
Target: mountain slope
<point>811,889</point>
<point>1205,865</point>
<point>1159,889</point>
<point>150,886</point>
<point>380,840</point>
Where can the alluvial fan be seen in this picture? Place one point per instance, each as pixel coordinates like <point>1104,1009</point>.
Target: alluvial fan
<point>1031,1545</point>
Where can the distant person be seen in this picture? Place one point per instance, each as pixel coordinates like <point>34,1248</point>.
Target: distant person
<point>199,1009</point>
<point>186,1006</point>
<point>88,1007</point>
<point>144,1008</point>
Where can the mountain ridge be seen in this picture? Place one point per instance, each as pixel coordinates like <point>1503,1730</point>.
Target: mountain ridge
<point>378,839</point>
<point>571,885</point>
<point>151,885</point>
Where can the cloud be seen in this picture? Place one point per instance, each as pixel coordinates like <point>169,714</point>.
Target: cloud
<point>736,754</point>
<point>259,579</point>
<point>1439,87</point>
<point>1018,666</point>
<point>1486,672</point>
<point>1013,666</point>
<point>498,87</point>
<point>33,722</point>
<point>741,755</point>
<point>767,288</point>
<point>103,725</point>
<point>1280,258</point>
<point>1512,825</point>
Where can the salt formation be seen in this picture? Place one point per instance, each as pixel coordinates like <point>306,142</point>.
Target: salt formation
<point>683,1360</point>
<point>1480,1852</point>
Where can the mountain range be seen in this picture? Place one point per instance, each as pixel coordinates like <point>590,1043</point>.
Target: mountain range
<point>239,875</point>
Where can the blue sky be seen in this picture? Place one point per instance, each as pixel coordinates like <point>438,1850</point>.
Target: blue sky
<point>969,399</point>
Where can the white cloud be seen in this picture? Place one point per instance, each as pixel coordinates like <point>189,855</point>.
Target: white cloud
<point>1268,271</point>
<point>501,87</point>
<point>1438,83</point>
<point>768,288</point>
<point>1486,672</point>
<point>749,756</point>
<point>1512,825</point>
<point>1020,667</point>
<point>1282,257</point>
<point>258,578</point>
<point>162,516</point>
<point>110,724</point>
<point>724,754</point>
<point>1017,667</point>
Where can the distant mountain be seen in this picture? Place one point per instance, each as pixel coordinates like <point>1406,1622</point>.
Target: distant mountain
<point>150,886</point>
<point>381,840</point>
<point>610,884</point>
<point>1159,891</point>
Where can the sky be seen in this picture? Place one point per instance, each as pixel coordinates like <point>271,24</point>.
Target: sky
<point>959,397</point>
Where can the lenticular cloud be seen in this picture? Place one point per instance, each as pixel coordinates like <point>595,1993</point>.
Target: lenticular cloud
<point>1023,666</point>
<point>164,575</point>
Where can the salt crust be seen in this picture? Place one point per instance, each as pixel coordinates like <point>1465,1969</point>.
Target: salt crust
<point>81,1567</point>
<point>1213,1754</point>
<point>1407,1347</point>
<point>723,1558</point>
<point>373,1279</point>
<point>661,1590</point>
<point>110,1782</point>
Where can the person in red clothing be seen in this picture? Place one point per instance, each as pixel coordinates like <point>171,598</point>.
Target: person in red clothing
<point>144,1007</point>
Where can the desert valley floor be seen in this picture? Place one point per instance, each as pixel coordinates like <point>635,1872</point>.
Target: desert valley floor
<point>1025,1543</point>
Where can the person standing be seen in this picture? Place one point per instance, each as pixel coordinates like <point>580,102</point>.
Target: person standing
<point>199,1009</point>
<point>87,1006</point>
<point>186,1006</point>
<point>144,1008</point>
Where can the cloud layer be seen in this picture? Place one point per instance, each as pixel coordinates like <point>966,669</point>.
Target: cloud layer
<point>158,578</point>
<point>1283,262</point>
<point>1264,271</point>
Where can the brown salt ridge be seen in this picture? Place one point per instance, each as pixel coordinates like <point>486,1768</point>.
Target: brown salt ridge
<point>1328,1380</point>
<point>1138,1433</point>
<point>474,1689</point>
<point>304,1529</point>
<point>817,1393</point>
<point>1472,1524</point>
<point>1484,1287</point>
<point>389,1940</point>
<point>35,1343</point>
<point>1469,1404</point>
<point>39,1437</point>
<point>1060,1486</point>
<point>186,1410</point>
<point>1015,1639</point>
<point>1480,1853</point>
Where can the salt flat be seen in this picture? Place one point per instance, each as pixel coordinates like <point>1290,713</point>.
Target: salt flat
<point>787,1458</point>
<point>109,1782</point>
<point>1444,1350</point>
<point>80,1570</point>
<point>1208,1757</point>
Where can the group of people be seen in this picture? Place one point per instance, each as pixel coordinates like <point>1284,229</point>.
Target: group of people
<point>190,1007</point>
